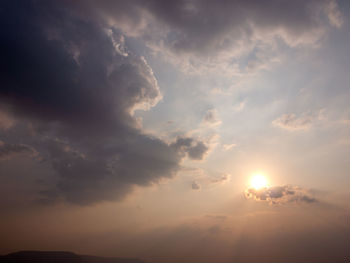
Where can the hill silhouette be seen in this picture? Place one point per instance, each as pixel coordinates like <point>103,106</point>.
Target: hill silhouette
<point>60,257</point>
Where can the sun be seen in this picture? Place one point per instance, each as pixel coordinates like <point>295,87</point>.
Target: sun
<point>258,181</point>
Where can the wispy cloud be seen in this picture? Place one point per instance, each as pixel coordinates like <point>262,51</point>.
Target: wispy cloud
<point>8,150</point>
<point>303,122</point>
<point>195,185</point>
<point>228,147</point>
<point>334,15</point>
<point>211,118</point>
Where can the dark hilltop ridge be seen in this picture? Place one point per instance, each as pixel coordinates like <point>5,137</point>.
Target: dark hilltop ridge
<point>60,257</point>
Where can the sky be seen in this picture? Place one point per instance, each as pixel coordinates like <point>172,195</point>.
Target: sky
<point>176,131</point>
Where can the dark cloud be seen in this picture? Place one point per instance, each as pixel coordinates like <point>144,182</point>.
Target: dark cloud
<point>195,149</point>
<point>76,83</point>
<point>108,172</point>
<point>59,67</point>
<point>281,194</point>
<point>209,28</point>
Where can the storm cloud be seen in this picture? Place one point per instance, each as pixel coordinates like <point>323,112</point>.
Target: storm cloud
<point>77,85</point>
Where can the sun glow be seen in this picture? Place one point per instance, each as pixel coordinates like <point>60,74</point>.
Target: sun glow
<point>258,181</point>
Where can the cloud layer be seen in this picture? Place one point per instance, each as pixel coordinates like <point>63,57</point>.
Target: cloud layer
<point>208,33</point>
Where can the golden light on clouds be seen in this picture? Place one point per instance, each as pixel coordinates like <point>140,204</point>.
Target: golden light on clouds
<point>258,181</point>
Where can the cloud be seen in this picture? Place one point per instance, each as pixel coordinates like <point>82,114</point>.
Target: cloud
<point>6,122</point>
<point>281,195</point>
<point>239,107</point>
<point>229,146</point>
<point>211,118</point>
<point>213,34</point>
<point>79,78</point>
<point>195,185</point>
<point>8,151</point>
<point>292,122</point>
<point>206,180</point>
<point>223,178</point>
<point>79,97</point>
<point>334,15</point>
<point>194,149</point>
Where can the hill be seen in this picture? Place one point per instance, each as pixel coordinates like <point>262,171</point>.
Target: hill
<point>60,257</point>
